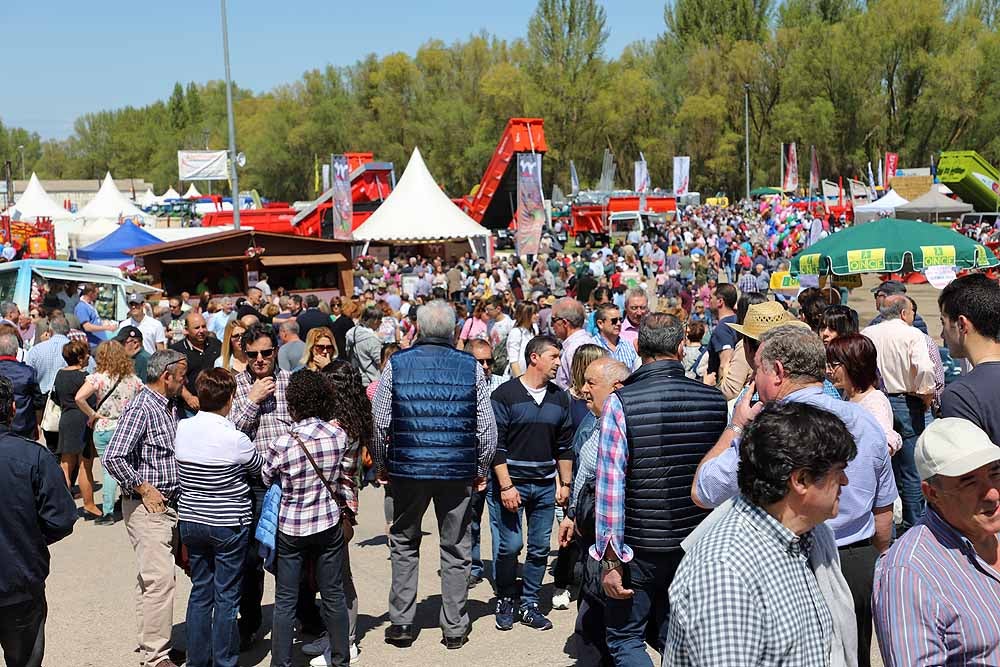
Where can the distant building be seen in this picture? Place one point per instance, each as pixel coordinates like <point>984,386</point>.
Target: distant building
<point>80,192</point>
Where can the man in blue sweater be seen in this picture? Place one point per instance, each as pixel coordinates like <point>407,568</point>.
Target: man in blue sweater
<point>532,471</point>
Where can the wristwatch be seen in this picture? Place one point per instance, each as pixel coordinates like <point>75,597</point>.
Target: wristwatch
<point>608,564</point>
<point>735,428</point>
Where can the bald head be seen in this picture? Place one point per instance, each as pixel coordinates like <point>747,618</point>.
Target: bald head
<point>609,368</point>
<point>195,328</point>
<point>895,307</point>
<point>567,316</point>
<point>603,376</point>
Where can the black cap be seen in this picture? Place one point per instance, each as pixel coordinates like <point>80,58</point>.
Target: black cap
<point>889,288</point>
<point>128,332</point>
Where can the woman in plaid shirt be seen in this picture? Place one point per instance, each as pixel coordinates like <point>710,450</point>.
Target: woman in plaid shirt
<point>315,519</point>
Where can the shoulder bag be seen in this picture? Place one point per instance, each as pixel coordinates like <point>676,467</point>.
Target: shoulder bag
<point>312,462</point>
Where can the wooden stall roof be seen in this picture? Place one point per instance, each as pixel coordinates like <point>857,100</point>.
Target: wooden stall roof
<point>231,244</point>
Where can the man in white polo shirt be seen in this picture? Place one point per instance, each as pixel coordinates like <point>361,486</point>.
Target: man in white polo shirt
<point>154,336</point>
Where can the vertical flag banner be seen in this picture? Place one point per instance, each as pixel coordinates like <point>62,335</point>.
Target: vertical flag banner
<point>792,171</point>
<point>574,181</point>
<point>343,207</point>
<point>813,171</point>
<point>891,162</point>
<point>934,177</point>
<point>682,169</point>
<point>326,178</point>
<point>871,177</point>
<point>641,180</point>
<point>530,207</point>
<point>881,174</point>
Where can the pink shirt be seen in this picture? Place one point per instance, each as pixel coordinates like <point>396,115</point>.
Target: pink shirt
<point>630,332</point>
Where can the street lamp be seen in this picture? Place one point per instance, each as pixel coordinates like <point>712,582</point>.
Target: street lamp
<point>746,135</point>
<point>21,149</point>
<point>232,123</point>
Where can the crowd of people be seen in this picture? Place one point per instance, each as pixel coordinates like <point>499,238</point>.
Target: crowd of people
<point>733,476</point>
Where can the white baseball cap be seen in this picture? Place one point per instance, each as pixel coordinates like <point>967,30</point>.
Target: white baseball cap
<point>953,447</point>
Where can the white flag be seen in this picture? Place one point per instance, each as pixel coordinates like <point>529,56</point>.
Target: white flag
<point>682,168</point>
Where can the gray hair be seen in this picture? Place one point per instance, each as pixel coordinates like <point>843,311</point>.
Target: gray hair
<point>291,326</point>
<point>611,369</point>
<point>9,345</point>
<point>660,334</point>
<point>569,309</point>
<point>7,307</point>
<point>436,320</point>
<point>159,362</point>
<point>59,325</point>
<point>635,293</point>
<point>799,350</point>
<point>893,307</point>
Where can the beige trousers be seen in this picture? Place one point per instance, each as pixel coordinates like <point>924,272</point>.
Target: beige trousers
<point>152,538</point>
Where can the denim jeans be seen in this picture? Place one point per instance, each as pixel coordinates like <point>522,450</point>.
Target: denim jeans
<point>538,502</point>
<point>478,503</point>
<point>110,488</point>
<point>216,554</point>
<point>328,548</point>
<point>642,618</point>
<point>909,420</point>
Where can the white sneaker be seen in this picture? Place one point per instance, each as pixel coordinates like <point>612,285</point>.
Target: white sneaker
<point>560,598</point>
<point>326,659</point>
<point>319,646</point>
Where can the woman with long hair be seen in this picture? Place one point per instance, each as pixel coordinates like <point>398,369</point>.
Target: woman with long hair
<point>585,355</point>
<point>316,515</point>
<point>851,365</point>
<point>75,446</point>
<point>232,357</point>
<point>525,328</point>
<point>320,349</point>
<point>112,386</point>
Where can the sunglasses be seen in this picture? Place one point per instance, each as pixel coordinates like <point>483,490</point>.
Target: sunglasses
<point>613,320</point>
<point>485,362</point>
<point>323,349</point>
<point>256,354</point>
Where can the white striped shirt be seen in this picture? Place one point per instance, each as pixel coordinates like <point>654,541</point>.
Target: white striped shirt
<point>213,461</point>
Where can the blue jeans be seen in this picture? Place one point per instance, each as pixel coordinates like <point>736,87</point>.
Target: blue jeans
<point>538,502</point>
<point>478,503</point>
<point>642,618</point>
<point>216,554</point>
<point>909,420</point>
<point>108,491</point>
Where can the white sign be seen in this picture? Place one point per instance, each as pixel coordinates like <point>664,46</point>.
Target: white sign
<point>939,276</point>
<point>203,165</point>
<point>682,169</point>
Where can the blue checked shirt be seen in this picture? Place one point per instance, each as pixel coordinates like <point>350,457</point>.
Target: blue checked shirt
<point>624,352</point>
<point>46,358</point>
<point>746,594</point>
<point>142,447</point>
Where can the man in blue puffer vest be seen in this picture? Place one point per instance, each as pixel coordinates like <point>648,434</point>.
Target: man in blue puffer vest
<point>435,436</point>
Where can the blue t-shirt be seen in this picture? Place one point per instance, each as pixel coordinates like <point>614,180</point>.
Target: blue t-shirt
<point>87,313</point>
<point>723,338</point>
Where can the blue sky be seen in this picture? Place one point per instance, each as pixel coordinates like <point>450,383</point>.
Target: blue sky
<point>64,58</point>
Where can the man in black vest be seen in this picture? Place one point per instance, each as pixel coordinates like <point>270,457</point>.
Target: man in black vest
<point>435,436</point>
<point>654,430</point>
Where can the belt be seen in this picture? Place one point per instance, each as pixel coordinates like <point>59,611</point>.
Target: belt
<point>867,542</point>
<point>170,502</point>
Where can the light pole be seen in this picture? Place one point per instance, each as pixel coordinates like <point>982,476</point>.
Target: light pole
<point>746,135</point>
<point>232,123</point>
<point>21,150</point>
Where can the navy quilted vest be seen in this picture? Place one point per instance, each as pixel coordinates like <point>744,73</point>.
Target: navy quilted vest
<point>671,422</point>
<point>433,413</point>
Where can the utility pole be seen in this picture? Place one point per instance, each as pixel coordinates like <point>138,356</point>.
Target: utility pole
<point>232,123</point>
<point>746,135</point>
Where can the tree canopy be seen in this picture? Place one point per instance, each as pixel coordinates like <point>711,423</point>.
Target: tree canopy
<point>853,78</point>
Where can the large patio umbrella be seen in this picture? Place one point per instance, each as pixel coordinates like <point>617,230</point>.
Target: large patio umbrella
<point>891,246</point>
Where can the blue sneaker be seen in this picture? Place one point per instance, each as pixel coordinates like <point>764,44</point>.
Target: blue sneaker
<point>505,614</point>
<point>530,616</point>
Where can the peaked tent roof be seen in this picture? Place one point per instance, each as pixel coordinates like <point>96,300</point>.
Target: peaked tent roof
<point>192,192</point>
<point>36,203</point>
<point>147,198</point>
<point>169,194</point>
<point>110,205</point>
<point>109,249</point>
<point>887,202</point>
<point>418,210</point>
<point>932,205</point>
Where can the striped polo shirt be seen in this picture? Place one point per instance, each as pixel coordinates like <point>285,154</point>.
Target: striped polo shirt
<point>936,602</point>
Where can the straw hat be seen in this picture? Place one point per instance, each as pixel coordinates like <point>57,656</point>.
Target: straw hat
<point>762,317</point>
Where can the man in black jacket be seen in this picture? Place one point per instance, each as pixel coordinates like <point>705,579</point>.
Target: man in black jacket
<point>311,317</point>
<point>653,432</point>
<point>39,511</point>
<point>27,396</point>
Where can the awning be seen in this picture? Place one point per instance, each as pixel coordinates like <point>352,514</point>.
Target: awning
<point>294,260</point>
<point>79,276</point>
<point>199,260</point>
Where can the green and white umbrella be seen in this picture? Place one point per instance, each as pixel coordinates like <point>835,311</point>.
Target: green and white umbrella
<point>891,246</point>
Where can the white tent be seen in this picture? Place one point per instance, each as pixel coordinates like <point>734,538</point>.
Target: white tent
<point>111,205</point>
<point>417,210</point>
<point>147,198</point>
<point>35,202</point>
<point>881,207</point>
<point>192,192</point>
<point>169,194</point>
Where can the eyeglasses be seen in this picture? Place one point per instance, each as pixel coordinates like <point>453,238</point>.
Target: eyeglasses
<point>323,349</point>
<point>613,320</point>
<point>486,362</point>
<point>833,365</point>
<point>255,354</point>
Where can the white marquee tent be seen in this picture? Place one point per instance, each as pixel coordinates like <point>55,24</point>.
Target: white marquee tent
<point>169,194</point>
<point>102,216</point>
<point>418,211</point>
<point>881,207</point>
<point>192,192</point>
<point>35,202</point>
<point>147,198</point>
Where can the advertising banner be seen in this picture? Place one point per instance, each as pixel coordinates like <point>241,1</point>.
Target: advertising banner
<point>343,206</point>
<point>791,181</point>
<point>574,180</point>
<point>891,162</point>
<point>641,181</point>
<point>682,174</point>
<point>530,204</point>
<point>813,171</point>
<point>203,165</point>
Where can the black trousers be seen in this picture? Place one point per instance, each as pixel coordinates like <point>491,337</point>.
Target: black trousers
<point>857,563</point>
<point>22,632</point>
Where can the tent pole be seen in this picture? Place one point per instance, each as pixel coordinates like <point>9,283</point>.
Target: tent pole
<point>364,251</point>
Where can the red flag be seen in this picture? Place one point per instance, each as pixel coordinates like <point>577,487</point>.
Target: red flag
<point>891,162</point>
<point>791,170</point>
<point>813,170</point>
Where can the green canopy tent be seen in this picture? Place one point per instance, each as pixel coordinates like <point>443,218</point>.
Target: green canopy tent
<point>891,246</point>
<point>760,192</point>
